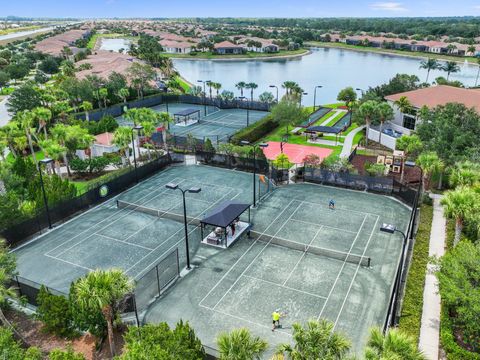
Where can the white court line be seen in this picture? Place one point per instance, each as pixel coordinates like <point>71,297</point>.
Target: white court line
<point>339,208</point>
<point>330,227</point>
<point>181,240</point>
<point>341,269</point>
<point>68,262</point>
<point>355,275</point>
<point>123,241</point>
<point>246,320</point>
<point>285,287</point>
<point>256,257</point>
<point>303,255</point>
<point>103,228</point>
<point>241,257</point>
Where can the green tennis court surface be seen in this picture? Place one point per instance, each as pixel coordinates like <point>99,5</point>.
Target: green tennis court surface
<point>217,124</point>
<point>277,268</point>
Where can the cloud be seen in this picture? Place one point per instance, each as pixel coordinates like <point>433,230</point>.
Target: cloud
<point>388,6</point>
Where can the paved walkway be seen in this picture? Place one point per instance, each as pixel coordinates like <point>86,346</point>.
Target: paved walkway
<point>348,143</point>
<point>430,327</point>
<point>4,115</point>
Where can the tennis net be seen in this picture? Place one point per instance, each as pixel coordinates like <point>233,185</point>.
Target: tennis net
<point>155,212</point>
<point>335,254</point>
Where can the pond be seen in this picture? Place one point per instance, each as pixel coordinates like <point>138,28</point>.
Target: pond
<point>115,44</point>
<point>334,69</point>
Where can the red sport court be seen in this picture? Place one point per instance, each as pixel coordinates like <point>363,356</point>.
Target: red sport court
<point>295,153</point>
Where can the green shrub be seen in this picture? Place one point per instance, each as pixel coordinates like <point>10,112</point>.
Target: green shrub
<point>255,131</point>
<point>90,165</point>
<point>11,349</point>
<point>69,354</point>
<point>412,306</point>
<point>55,313</point>
<point>427,200</point>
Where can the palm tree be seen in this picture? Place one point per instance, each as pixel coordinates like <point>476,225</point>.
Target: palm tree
<point>288,86</point>
<point>103,93</point>
<point>368,111</point>
<point>148,130</point>
<point>459,204</point>
<point>317,340</point>
<point>450,67</point>
<point>165,118</point>
<point>55,151</point>
<point>122,137</point>
<point>385,113</point>
<point>239,344</point>
<point>471,49</point>
<point>103,290</point>
<point>410,145</point>
<point>252,86</point>
<point>87,107</point>
<point>404,105</point>
<point>209,84</point>
<point>25,119</point>
<point>43,116</point>
<point>217,87</point>
<point>393,345</point>
<point>430,164</point>
<point>240,86</point>
<point>123,93</point>
<point>465,173</point>
<point>429,64</point>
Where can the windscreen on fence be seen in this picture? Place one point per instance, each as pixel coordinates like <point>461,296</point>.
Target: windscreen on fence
<point>156,280</point>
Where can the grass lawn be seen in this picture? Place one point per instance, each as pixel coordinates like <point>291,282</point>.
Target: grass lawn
<point>417,54</point>
<point>185,86</point>
<point>336,118</point>
<point>38,155</point>
<point>250,54</point>
<point>23,28</point>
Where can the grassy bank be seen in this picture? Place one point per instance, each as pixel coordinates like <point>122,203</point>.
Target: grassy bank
<point>20,29</point>
<point>417,54</point>
<point>248,55</point>
<point>412,307</point>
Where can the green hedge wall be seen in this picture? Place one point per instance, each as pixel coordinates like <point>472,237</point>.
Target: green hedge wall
<point>255,131</point>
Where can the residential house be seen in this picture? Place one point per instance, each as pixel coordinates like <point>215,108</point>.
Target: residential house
<point>176,47</point>
<point>227,47</point>
<point>103,144</point>
<point>431,97</point>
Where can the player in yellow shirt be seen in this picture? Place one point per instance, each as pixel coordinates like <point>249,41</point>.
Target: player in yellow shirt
<point>276,315</point>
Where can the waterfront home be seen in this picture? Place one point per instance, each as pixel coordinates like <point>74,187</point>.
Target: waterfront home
<point>176,47</point>
<point>431,97</point>
<point>227,47</point>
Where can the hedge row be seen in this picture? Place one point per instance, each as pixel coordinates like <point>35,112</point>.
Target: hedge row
<point>411,317</point>
<point>255,131</point>
<point>453,351</point>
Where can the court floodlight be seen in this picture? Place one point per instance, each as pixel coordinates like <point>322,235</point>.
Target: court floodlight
<point>171,186</point>
<point>194,190</point>
<point>388,228</point>
<point>46,161</point>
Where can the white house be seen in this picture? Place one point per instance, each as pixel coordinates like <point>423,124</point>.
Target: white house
<point>431,97</point>
<point>176,47</point>
<point>103,144</point>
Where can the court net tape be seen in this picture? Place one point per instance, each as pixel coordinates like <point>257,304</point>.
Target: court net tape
<point>155,212</point>
<point>339,255</point>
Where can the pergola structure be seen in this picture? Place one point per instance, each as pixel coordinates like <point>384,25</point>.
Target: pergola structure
<point>187,117</point>
<point>324,130</point>
<point>222,218</point>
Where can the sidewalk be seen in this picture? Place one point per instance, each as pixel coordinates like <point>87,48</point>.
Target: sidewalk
<point>348,142</point>
<point>430,326</point>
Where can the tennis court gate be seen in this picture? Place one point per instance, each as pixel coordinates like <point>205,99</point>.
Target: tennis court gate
<point>153,284</point>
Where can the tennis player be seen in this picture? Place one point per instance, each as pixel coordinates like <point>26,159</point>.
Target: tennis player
<point>331,205</point>
<point>276,315</point>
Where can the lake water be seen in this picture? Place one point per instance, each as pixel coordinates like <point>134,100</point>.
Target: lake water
<point>334,69</point>
<point>115,44</point>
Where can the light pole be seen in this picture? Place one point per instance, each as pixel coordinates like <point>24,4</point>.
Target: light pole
<point>194,190</point>
<point>388,228</point>
<point>45,162</point>
<point>361,90</point>
<point>204,95</point>
<point>315,97</point>
<point>301,95</point>
<point>255,147</point>
<point>136,128</point>
<point>276,87</point>
<point>248,108</point>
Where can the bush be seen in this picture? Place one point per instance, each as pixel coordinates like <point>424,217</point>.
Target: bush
<point>255,131</point>
<point>58,354</point>
<point>11,350</point>
<point>90,165</point>
<point>427,200</point>
<point>91,320</point>
<point>55,313</point>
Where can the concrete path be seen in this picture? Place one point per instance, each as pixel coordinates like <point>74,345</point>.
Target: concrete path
<point>348,143</point>
<point>324,142</point>
<point>4,115</point>
<point>430,326</point>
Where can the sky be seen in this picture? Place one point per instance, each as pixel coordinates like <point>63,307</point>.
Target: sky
<point>244,8</point>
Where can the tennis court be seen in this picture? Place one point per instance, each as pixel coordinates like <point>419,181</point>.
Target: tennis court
<point>302,257</point>
<point>216,124</point>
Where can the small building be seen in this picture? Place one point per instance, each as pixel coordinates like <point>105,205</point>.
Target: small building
<point>431,97</point>
<point>227,47</point>
<point>176,47</point>
<point>103,144</point>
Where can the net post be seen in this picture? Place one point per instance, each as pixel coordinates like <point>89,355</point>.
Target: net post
<point>369,259</point>
<point>158,281</point>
